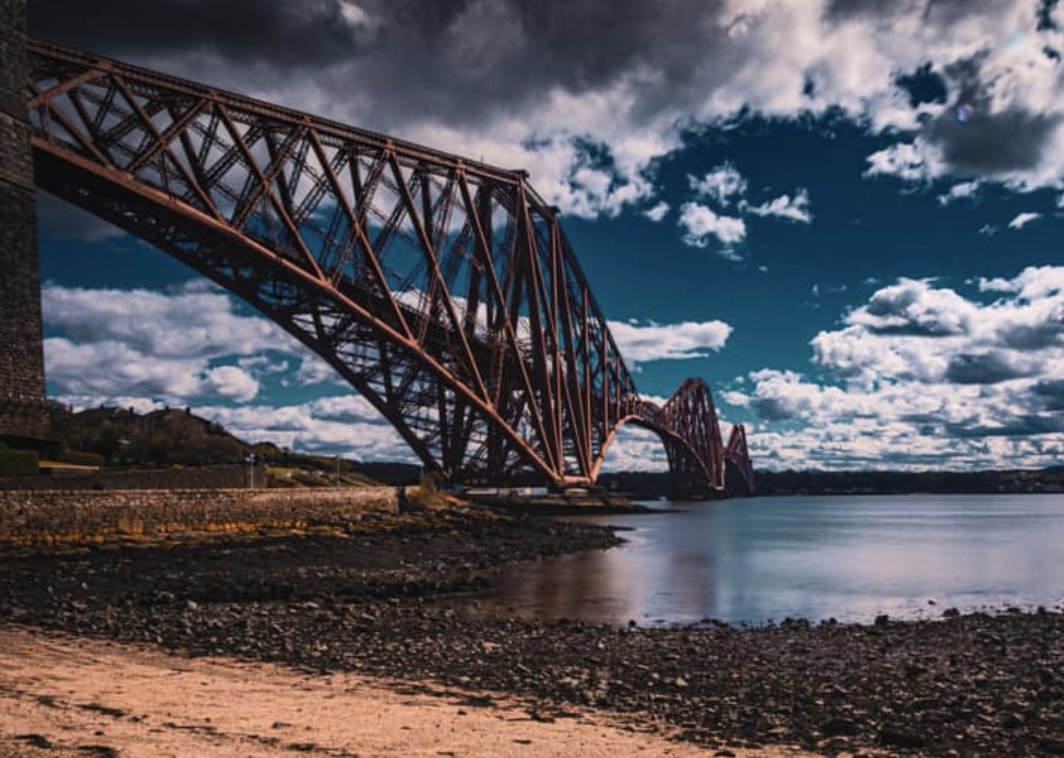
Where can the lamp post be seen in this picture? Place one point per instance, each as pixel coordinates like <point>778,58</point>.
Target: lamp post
<point>250,461</point>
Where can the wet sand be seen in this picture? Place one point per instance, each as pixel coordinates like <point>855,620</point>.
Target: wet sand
<point>61,695</point>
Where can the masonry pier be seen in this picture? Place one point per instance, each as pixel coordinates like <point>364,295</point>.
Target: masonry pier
<point>22,401</point>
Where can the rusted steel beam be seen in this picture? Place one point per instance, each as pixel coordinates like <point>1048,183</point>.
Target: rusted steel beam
<point>443,290</point>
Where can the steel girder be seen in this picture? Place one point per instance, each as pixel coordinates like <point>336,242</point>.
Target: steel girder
<point>442,289</point>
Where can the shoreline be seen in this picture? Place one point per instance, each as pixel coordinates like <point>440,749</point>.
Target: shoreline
<point>381,603</point>
<point>562,505</point>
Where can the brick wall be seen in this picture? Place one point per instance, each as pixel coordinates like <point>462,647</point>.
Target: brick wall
<point>67,517</point>
<point>21,359</point>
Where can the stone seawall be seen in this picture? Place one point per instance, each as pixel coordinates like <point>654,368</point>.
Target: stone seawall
<point>226,476</point>
<point>56,517</point>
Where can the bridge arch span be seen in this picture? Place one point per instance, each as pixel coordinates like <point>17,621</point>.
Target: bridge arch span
<point>689,428</point>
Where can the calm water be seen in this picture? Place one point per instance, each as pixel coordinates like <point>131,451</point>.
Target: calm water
<point>806,557</point>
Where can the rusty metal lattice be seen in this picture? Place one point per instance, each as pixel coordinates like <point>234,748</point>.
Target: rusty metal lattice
<point>442,289</point>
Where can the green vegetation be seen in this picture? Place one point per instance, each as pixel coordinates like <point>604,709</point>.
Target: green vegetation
<point>123,438</point>
<point>162,438</point>
<point>18,462</point>
<point>81,458</point>
<point>52,449</point>
<point>295,476</point>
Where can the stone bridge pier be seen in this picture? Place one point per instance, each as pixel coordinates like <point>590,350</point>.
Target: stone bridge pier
<point>22,398</point>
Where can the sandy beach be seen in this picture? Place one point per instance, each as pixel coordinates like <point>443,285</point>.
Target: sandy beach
<point>62,695</point>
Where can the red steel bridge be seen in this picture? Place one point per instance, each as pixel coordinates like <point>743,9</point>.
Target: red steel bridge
<point>442,289</point>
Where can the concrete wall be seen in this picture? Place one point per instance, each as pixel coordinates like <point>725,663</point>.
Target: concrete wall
<point>21,358</point>
<point>234,476</point>
<point>69,517</point>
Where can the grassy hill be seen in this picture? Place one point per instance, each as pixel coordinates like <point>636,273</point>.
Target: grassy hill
<point>123,438</point>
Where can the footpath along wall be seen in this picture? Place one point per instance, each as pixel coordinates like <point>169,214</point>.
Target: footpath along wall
<point>73,516</point>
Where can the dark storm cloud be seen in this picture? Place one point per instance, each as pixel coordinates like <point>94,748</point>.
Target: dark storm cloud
<point>987,143</point>
<point>1045,14</point>
<point>993,143</point>
<point>390,63</point>
<point>838,10</point>
<point>772,409</point>
<point>453,59</point>
<point>924,420</point>
<point>1020,426</point>
<point>952,11</point>
<point>926,328</point>
<point>1049,394</point>
<point>983,142</point>
<point>310,31</point>
<point>1038,337</point>
<point>984,368</point>
<point>938,11</point>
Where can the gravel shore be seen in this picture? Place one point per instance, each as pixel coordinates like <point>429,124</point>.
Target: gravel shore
<point>393,601</point>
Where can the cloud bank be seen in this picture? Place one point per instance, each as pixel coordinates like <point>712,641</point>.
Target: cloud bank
<point>191,345</point>
<point>589,95</point>
<point>923,376</point>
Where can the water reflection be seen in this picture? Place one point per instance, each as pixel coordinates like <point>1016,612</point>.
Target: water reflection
<point>848,558</point>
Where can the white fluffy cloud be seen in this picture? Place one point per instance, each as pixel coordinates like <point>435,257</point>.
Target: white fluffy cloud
<point>914,330</point>
<point>700,223</point>
<point>959,191</point>
<point>111,369</point>
<point>314,371</point>
<point>793,208</point>
<point>921,375</point>
<point>658,212</point>
<point>636,449</point>
<point>169,345</point>
<point>344,425</point>
<point>1023,219</point>
<point>640,343</point>
<point>906,160</point>
<point>722,184</point>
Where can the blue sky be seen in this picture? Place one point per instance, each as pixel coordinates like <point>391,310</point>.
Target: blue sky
<point>845,216</point>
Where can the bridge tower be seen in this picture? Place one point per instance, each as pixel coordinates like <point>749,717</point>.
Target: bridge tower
<point>22,406</point>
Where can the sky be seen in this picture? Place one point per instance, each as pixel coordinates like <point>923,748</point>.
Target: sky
<point>845,215</point>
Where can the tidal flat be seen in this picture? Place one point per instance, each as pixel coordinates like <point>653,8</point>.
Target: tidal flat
<point>396,601</point>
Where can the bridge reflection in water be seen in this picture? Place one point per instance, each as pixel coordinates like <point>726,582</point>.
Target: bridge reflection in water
<point>444,290</point>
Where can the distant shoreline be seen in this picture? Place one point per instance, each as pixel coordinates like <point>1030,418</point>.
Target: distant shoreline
<point>823,483</point>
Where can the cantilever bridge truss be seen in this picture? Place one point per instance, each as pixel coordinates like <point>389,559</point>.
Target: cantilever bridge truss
<point>442,289</point>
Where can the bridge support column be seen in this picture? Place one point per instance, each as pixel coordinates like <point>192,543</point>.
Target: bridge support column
<point>22,398</point>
